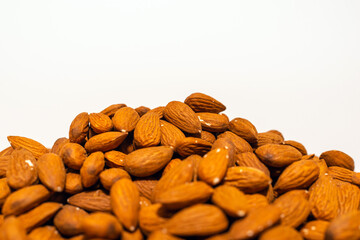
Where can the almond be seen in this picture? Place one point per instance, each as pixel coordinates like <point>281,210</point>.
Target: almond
<point>21,170</point>
<point>109,176</point>
<point>244,129</point>
<point>185,195</point>
<point>101,225</point>
<point>146,186</point>
<point>125,203</point>
<point>73,183</point>
<point>79,128</point>
<point>100,122</point>
<point>190,146</point>
<point>58,144</point>
<point>73,155</point>
<point>159,235</point>
<point>170,134</point>
<point>91,168</point>
<point>36,148</point>
<point>281,233</point>
<point>298,175</point>
<point>197,220</point>
<point>115,159</point>
<point>240,144</point>
<point>105,141</point>
<point>144,202</point>
<point>182,116</point>
<point>275,155</point>
<point>52,172</point>
<point>213,122</point>
<point>147,161</point>
<point>153,217</point>
<point>249,159</point>
<point>4,191</point>
<point>91,201</point>
<point>348,197</point>
<point>226,144</point>
<point>24,199</point>
<point>137,235</point>
<point>6,152</point>
<point>207,136</point>
<point>255,222</point>
<point>125,119</point>
<point>344,227</point>
<point>213,166</point>
<point>4,162</point>
<point>231,200</point>
<point>172,164</point>
<point>341,173</point>
<point>147,131</point>
<point>112,109</point>
<point>12,229</point>
<point>68,220</point>
<point>200,102</point>
<point>314,230</point>
<point>142,110</point>
<point>247,179</point>
<point>45,233</point>
<point>159,111</point>
<point>297,145</point>
<point>338,158</point>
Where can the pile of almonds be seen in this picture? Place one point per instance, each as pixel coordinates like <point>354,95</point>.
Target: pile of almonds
<point>183,171</point>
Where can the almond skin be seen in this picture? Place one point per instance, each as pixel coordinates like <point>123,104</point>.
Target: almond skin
<point>105,141</point>
<point>142,110</point>
<point>153,217</point>
<point>73,155</point>
<point>213,122</point>
<point>125,119</point>
<point>4,191</point>
<point>172,164</point>
<point>348,197</point>
<point>91,201</point>
<point>269,138</point>
<point>197,220</point>
<point>249,159</point>
<point>146,186</point>
<point>109,176</point>
<point>207,136</point>
<point>256,200</point>
<point>281,233</point>
<point>73,183</point>
<point>201,102</point>
<point>52,172</point>
<point>125,203</point>
<point>344,227</point>
<point>24,199</point>
<point>58,144</point>
<point>297,145</point>
<point>112,109</point>
<point>275,155</point>
<point>115,159</point>
<point>240,144</point>
<point>12,229</point>
<point>338,158</point>
<point>190,146</point>
<point>182,116</point>
<point>45,233</point>
<point>213,166</point>
<point>68,220</point>
<point>226,144</point>
<point>244,129</point>
<point>36,148</point>
<point>4,162</point>
<point>147,131</point>
<point>101,225</point>
<point>100,122</point>
<point>170,134</point>
<point>91,168</point>
<point>147,161</point>
<point>314,230</point>
<point>79,128</point>
<point>22,169</point>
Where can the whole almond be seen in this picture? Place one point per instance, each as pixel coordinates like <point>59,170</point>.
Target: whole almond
<point>12,229</point>
<point>247,179</point>
<point>36,148</point>
<point>244,129</point>
<point>170,134</point>
<point>153,217</point>
<point>185,195</point>
<point>101,225</point>
<point>68,220</point>
<point>342,174</point>
<point>4,191</point>
<point>91,201</point>
<point>105,141</point>
<point>93,165</point>
<point>73,183</point>
<point>147,161</point>
<point>125,203</point>
<point>52,172</point>
<point>125,119</point>
<point>255,222</point>
<point>22,169</point>
<point>348,197</point>
<point>249,159</point>
<point>256,200</point>
<point>281,233</point>
<point>142,110</point>
<point>213,122</point>
<point>197,220</point>
<point>265,138</point>
<point>109,176</point>
<point>275,155</point>
<point>112,109</point>
<point>207,136</point>
<point>297,145</point>
<point>100,122</point>
<point>240,144</point>
<point>190,146</point>
<point>344,227</point>
<point>58,144</point>
<point>45,233</point>
<point>79,128</point>
<point>73,155</point>
<point>227,144</point>
<point>338,158</point>
<point>146,186</point>
<point>213,166</point>
<point>231,200</point>
<point>115,159</point>
<point>201,102</point>
<point>314,230</point>
<point>182,116</point>
<point>147,131</point>
<point>24,199</point>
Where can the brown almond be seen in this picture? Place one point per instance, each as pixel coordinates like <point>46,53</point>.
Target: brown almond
<point>4,162</point>
<point>93,165</point>
<point>344,227</point>
<point>348,197</point>
<point>100,122</point>
<point>91,201</point>
<point>269,138</point>
<point>7,151</point>
<point>144,202</point>
<point>231,200</point>
<point>22,169</point>
<point>73,155</point>
<point>68,220</point>
<point>45,233</point>
<point>190,146</point>
<point>227,144</point>
<point>153,217</point>
<point>142,110</point>
<point>146,186</point>
<point>172,164</point>
<point>241,145</point>
<point>39,215</point>
<point>275,155</point>
<point>115,159</point>
<point>170,134</point>
<point>112,109</point>
<point>281,233</point>
<point>314,230</point>
<point>147,161</point>
<point>207,136</point>
<point>249,159</point>
<point>295,207</point>
<point>201,102</point>
<point>73,183</point>
<point>24,199</point>
<point>125,203</point>
<point>109,176</point>
<point>125,119</point>
<point>137,235</point>
<point>338,158</point>
<point>159,111</point>
<point>52,172</point>
<point>341,173</point>
<point>213,122</point>
<point>256,200</point>
<point>79,128</point>
<point>213,166</point>
<point>105,141</point>
<point>247,179</point>
<point>160,235</point>
<point>297,145</point>
<point>197,220</point>
<point>182,116</point>
<point>147,131</point>
<point>185,195</point>
<point>298,175</point>
<point>101,225</point>
<point>36,148</point>
<point>244,129</point>
<point>58,144</point>
<point>4,191</point>
<point>12,229</point>
<point>255,222</point>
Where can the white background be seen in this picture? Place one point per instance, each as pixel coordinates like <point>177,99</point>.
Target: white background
<point>287,65</point>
